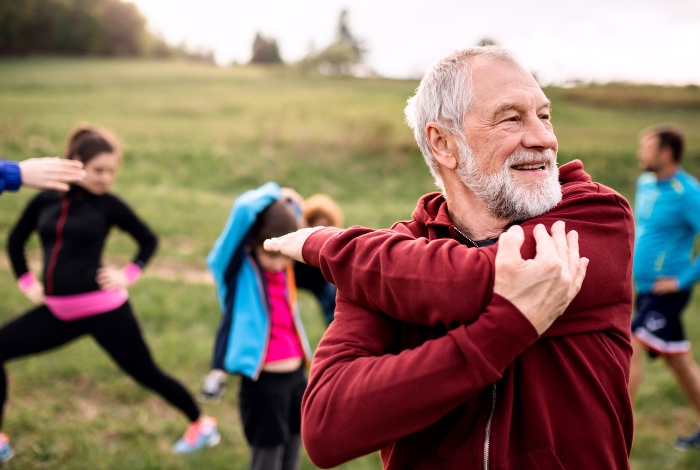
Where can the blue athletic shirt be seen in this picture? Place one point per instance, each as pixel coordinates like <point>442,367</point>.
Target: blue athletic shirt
<point>667,214</point>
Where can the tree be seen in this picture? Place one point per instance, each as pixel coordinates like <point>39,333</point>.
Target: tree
<point>342,56</point>
<point>79,27</point>
<point>265,50</point>
<point>487,42</point>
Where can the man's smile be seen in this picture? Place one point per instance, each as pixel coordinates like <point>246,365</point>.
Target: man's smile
<point>530,166</point>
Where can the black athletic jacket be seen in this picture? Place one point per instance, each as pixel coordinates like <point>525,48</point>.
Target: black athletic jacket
<point>73,227</point>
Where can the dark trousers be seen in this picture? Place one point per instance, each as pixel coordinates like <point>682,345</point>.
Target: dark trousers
<point>117,332</point>
<point>281,457</point>
<point>271,415</point>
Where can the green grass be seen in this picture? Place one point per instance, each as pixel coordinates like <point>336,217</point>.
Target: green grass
<point>196,137</point>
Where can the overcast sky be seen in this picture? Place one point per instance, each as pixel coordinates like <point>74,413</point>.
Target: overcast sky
<point>601,40</point>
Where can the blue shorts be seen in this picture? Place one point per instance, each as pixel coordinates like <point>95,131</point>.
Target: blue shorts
<point>658,323</point>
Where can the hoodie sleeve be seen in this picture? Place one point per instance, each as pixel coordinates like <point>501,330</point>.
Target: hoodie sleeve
<point>438,282</point>
<point>378,397</point>
<point>10,176</point>
<point>442,282</point>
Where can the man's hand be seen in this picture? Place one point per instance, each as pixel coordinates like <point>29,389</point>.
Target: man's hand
<point>665,285</point>
<point>35,293</point>
<point>110,278</point>
<point>50,173</point>
<point>542,287</point>
<point>290,244</point>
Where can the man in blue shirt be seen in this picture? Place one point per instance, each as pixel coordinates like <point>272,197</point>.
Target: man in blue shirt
<point>41,173</point>
<point>667,221</point>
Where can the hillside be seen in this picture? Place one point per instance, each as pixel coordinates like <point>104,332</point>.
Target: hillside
<point>195,137</point>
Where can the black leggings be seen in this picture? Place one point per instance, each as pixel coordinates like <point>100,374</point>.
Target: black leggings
<point>117,332</point>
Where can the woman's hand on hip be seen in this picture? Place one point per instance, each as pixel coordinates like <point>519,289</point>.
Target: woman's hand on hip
<point>110,278</point>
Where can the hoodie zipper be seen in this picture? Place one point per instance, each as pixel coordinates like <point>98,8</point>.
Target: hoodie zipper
<point>489,423</point>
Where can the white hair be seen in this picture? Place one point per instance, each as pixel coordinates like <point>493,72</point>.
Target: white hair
<point>444,96</point>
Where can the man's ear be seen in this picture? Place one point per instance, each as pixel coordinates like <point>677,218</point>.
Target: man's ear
<point>666,154</point>
<point>442,145</point>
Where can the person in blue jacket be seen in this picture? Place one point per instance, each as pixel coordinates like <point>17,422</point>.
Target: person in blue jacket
<point>40,173</point>
<point>260,336</point>
<point>667,223</point>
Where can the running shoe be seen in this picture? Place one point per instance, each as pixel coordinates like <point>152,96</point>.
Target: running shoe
<point>213,388</point>
<point>685,443</point>
<point>200,434</point>
<point>6,452</point>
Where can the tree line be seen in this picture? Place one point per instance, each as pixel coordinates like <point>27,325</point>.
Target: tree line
<point>78,27</point>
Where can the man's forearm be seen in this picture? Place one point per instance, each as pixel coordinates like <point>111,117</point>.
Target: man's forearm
<point>440,282</point>
<point>361,398</point>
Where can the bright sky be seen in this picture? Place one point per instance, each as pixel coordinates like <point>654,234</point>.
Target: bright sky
<point>601,40</point>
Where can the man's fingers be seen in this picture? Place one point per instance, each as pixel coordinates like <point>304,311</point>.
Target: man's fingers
<point>72,163</point>
<point>69,174</point>
<point>544,244</point>
<point>581,274</point>
<point>559,238</point>
<point>56,186</point>
<point>509,244</point>
<point>574,256</point>
<point>273,245</point>
<point>291,244</point>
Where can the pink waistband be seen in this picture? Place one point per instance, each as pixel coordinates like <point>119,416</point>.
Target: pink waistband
<point>77,306</point>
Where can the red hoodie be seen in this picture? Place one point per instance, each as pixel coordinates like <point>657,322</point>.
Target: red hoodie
<point>426,364</point>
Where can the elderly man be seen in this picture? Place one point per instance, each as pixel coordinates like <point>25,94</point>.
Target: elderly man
<point>443,354</point>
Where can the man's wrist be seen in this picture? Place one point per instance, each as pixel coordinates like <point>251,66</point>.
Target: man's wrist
<point>311,250</point>
<point>500,334</point>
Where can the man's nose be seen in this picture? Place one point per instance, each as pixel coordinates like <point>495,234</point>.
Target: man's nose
<point>538,136</point>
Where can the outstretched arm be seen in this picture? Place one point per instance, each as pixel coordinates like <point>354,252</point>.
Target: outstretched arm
<point>441,282</point>
<point>410,279</point>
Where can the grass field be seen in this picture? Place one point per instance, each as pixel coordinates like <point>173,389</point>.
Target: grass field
<point>196,137</point>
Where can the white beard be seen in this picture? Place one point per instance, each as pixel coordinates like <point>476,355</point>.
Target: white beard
<point>502,194</point>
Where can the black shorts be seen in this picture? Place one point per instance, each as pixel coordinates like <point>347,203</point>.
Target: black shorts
<point>658,323</point>
<point>271,407</point>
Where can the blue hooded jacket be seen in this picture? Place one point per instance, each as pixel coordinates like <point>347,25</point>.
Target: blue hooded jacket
<point>241,290</point>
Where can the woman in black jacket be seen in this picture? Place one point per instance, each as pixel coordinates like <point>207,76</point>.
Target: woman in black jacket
<point>78,295</point>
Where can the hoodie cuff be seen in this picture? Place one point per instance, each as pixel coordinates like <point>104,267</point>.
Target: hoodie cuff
<point>311,251</point>
<point>500,335</point>
<point>12,175</point>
